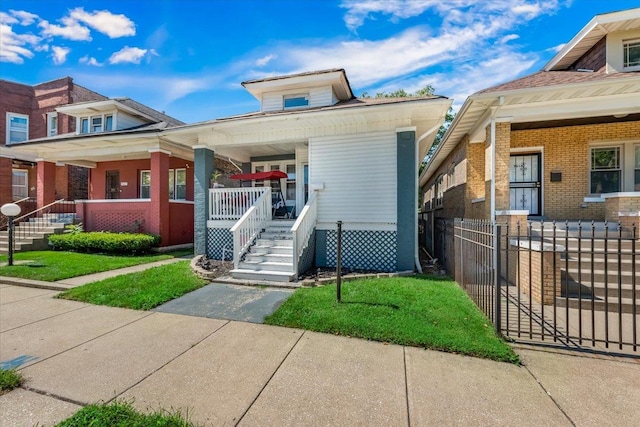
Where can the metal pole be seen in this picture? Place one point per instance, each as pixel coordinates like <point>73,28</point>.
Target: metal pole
<point>10,240</point>
<point>339,263</point>
<point>497,234</point>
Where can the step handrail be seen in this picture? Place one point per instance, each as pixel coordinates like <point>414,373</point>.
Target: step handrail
<point>250,225</point>
<point>302,229</point>
<point>17,220</point>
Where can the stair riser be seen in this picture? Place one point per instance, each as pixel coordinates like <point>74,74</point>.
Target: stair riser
<point>275,236</point>
<point>599,305</point>
<point>271,250</point>
<point>599,290</point>
<point>262,277</point>
<point>611,264</point>
<point>269,258</point>
<point>276,242</point>
<point>258,267</point>
<point>611,278</point>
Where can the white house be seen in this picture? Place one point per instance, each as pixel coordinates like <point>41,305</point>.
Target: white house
<point>346,159</point>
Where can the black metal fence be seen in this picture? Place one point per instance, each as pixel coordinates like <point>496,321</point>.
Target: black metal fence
<point>572,284</point>
<point>40,220</point>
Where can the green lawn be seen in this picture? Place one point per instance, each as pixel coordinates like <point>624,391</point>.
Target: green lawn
<point>140,291</point>
<point>53,265</point>
<point>122,414</point>
<point>417,311</point>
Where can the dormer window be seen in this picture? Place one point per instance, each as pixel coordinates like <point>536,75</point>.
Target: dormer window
<point>296,101</point>
<point>96,124</point>
<point>631,52</point>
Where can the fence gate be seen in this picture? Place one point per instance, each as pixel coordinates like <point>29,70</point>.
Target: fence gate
<point>569,284</point>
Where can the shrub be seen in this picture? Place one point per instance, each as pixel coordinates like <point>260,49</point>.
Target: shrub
<point>104,242</point>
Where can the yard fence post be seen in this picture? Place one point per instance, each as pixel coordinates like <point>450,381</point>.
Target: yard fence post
<point>339,263</point>
<point>497,266</point>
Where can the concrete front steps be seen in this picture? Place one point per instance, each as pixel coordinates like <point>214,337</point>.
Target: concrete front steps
<point>33,235</point>
<point>270,258</point>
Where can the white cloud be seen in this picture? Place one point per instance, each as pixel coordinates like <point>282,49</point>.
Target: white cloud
<point>128,54</point>
<point>90,61</point>
<point>261,62</point>
<point>556,49</point>
<point>14,47</point>
<point>59,54</point>
<point>7,19</point>
<point>71,30</point>
<point>509,37</point>
<point>105,22</point>
<point>26,18</point>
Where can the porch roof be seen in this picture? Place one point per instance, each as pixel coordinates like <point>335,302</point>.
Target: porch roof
<point>595,96</point>
<point>280,132</point>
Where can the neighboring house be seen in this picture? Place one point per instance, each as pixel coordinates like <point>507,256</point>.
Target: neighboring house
<point>346,159</point>
<point>560,144</point>
<point>28,112</point>
<point>118,142</point>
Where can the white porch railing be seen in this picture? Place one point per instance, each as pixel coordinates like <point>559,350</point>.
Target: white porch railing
<point>233,203</point>
<point>303,227</point>
<point>250,224</point>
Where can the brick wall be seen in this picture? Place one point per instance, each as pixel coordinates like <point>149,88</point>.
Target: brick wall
<point>566,150</point>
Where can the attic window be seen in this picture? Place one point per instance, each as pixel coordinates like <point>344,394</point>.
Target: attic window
<point>631,53</point>
<point>296,101</point>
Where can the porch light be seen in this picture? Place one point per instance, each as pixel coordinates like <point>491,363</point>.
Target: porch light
<point>10,210</point>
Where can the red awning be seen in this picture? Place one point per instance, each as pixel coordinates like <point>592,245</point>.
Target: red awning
<point>259,176</point>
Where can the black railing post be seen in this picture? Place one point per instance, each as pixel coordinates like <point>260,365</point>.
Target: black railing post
<point>339,263</point>
<point>497,277</point>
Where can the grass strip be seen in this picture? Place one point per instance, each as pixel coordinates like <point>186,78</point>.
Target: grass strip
<point>50,266</point>
<point>419,311</point>
<point>143,290</point>
<point>122,414</point>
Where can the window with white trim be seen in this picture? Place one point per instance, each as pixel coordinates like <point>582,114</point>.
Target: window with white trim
<point>20,184</point>
<point>145,184</point>
<point>439,190</point>
<point>605,170</point>
<point>17,128</point>
<point>295,101</point>
<point>52,124</point>
<point>94,124</point>
<point>631,53</point>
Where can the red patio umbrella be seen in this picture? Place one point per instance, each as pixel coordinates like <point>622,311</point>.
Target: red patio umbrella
<point>259,176</point>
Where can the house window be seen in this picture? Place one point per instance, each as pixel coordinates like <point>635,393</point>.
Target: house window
<point>439,190</point>
<point>18,129</point>
<point>96,124</point>
<point>631,51</point>
<point>291,182</point>
<point>52,124</point>
<point>296,101</point>
<point>145,184</point>
<point>636,181</point>
<point>177,184</point>
<point>606,171</point>
<point>258,183</point>
<point>20,182</point>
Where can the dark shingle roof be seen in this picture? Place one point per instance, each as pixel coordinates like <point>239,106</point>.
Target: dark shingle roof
<point>161,117</point>
<point>556,78</point>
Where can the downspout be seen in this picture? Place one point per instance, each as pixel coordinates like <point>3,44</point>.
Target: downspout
<point>417,168</point>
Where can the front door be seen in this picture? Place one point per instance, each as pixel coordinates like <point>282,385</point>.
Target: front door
<point>113,184</point>
<point>525,183</point>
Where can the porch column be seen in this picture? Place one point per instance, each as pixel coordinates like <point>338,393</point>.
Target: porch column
<point>6,180</point>
<point>159,221</point>
<point>502,139</point>
<point>46,183</point>
<point>204,164</point>
<point>406,203</point>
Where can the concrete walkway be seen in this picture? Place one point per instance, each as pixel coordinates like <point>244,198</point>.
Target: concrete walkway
<point>235,373</point>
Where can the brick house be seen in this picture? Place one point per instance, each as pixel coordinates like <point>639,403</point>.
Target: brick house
<point>29,112</point>
<point>560,144</point>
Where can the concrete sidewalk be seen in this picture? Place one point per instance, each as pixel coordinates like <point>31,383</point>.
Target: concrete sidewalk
<point>235,373</point>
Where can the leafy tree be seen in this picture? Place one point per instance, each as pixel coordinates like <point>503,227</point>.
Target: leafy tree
<point>425,91</point>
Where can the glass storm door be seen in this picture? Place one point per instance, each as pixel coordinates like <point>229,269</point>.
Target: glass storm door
<point>525,176</point>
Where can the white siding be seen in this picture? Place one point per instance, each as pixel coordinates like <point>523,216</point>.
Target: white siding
<point>320,96</point>
<point>125,121</point>
<point>359,176</point>
<point>271,102</point>
<point>302,158</point>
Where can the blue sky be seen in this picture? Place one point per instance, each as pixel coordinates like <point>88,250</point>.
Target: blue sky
<point>188,57</point>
